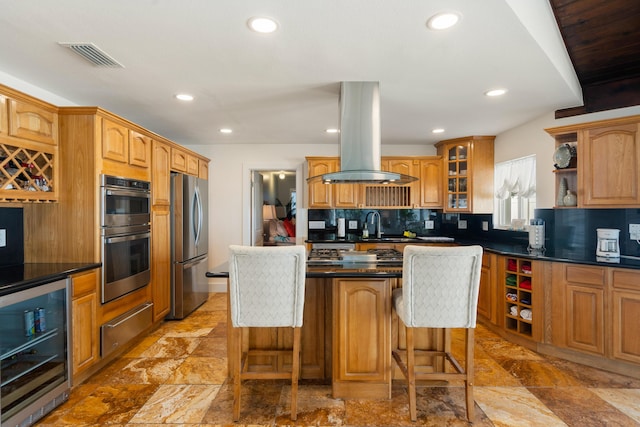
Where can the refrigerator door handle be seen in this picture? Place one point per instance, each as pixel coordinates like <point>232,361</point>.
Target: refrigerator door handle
<point>197,211</point>
<point>194,262</point>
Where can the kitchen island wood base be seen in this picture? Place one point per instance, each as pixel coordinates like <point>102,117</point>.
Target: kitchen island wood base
<point>347,336</point>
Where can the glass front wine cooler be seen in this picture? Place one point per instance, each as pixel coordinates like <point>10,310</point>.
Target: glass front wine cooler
<point>34,366</point>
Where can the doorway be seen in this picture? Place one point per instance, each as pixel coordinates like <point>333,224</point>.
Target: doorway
<point>277,186</point>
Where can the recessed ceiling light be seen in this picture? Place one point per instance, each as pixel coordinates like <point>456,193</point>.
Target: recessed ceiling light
<point>443,20</point>
<point>226,130</point>
<point>437,130</point>
<point>262,24</point>
<point>281,176</point>
<point>495,92</point>
<point>332,130</point>
<point>184,97</point>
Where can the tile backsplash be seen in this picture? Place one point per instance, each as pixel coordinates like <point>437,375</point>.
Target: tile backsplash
<point>11,220</point>
<point>568,231</point>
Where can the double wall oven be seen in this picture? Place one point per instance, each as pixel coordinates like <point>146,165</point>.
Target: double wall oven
<point>126,235</point>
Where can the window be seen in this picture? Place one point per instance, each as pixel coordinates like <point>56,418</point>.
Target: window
<point>515,196</point>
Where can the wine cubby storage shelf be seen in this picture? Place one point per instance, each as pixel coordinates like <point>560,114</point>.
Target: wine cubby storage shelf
<point>518,293</point>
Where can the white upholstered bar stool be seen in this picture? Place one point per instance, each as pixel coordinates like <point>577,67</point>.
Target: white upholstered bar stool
<point>266,289</point>
<point>439,290</point>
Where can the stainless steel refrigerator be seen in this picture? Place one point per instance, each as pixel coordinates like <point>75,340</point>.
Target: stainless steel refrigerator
<point>189,244</point>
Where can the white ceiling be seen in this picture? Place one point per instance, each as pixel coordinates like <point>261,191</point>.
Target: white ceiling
<point>283,87</point>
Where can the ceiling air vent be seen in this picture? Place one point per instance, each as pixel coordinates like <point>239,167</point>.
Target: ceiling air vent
<point>93,54</point>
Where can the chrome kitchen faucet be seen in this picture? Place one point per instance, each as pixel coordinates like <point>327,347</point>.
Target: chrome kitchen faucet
<point>378,225</point>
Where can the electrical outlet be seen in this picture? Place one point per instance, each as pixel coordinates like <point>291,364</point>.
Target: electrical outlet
<point>353,224</point>
<point>485,225</point>
<point>462,224</point>
<point>316,225</point>
<point>634,231</point>
<point>3,238</point>
<point>429,224</point>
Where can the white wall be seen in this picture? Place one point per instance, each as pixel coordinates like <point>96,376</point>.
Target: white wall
<point>530,138</point>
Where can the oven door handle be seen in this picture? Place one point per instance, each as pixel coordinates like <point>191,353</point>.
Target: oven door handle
<point>132,193</point>
<point>127,238</point>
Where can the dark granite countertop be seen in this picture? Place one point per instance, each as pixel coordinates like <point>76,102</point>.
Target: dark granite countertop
<point>372,270</point>
<point>20,277</point>
<point>574,256</point>
<point>570,255</point>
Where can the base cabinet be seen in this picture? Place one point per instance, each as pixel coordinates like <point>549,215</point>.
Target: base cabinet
<point>84,325</point>
<point>361,338</point>
<point>625,299</point>
<point>578,307</point>
<point>487,289</point>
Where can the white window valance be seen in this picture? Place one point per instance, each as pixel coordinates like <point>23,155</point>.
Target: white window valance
<point>516,178</point>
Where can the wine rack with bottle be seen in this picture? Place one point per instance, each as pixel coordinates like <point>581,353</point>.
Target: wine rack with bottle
<point>27,173</point>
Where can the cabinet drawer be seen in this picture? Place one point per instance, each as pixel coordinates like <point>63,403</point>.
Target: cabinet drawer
<point>586,275</point>
<point>84,283</point>
<point>626,279</point>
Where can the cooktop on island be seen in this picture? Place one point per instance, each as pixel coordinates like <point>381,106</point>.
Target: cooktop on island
<point>329,256</point>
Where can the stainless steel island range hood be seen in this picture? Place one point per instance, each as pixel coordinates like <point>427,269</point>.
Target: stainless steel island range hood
<point>360,139</point>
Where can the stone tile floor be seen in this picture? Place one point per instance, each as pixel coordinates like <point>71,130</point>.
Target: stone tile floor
<point>176,376</point>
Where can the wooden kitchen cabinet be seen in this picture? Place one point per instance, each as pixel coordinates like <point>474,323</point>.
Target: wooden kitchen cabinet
<point>486,291</point>
<point>320,195</point>
<point>578,307</point>
<point>84,324</point>
<point>115,141</point>
<point>625,301</point>
<point>161,174</point>
<point>30,120</point>
<point>595,315</point>
<point>361,338</point>
<point>161,261</point>
<point>430,185</point>
<point>607,174</point>
<point>192,165</point>
<point>125,152</point>
<point>468,174</point>
<point>178,160</point>
<point>161,230</point>
<point>28,148</point>
<point>182,161</point>
<point>610,164</point>
<point>139,149</point>
<point>426,193</point>
<point>326,196</point>
<point>203,169</point>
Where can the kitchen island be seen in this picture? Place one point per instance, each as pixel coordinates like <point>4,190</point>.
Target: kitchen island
<point>348,330</point>
<point>584,309</point>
